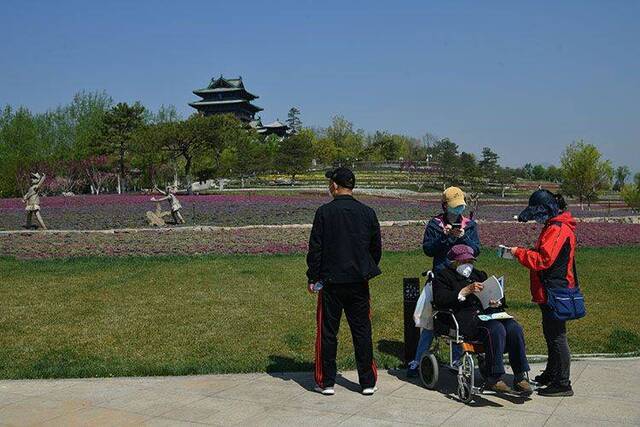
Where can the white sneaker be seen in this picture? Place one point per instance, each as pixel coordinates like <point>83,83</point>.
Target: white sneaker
<point>369,391</point>
<point>327,391</point>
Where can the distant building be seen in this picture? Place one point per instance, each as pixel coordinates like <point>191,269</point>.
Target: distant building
<point>228,96</point>
<point>276,127</point>
<point>224,96</point>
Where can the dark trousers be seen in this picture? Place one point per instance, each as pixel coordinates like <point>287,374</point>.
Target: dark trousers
<point>559,356</point>
<point>498,337</point>
<point>353,298</point>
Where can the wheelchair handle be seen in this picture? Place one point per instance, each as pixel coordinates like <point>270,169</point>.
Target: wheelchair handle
<point>427,273</point>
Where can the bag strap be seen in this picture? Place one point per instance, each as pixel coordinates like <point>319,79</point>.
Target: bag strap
<point>575,272</point>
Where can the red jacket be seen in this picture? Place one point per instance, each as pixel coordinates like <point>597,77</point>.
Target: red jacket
<point>552,261</point>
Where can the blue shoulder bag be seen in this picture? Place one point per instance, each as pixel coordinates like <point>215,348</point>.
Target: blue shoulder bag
<point>567,303</point>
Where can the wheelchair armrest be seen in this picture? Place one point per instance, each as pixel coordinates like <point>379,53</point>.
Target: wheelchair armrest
<point>450,320</point>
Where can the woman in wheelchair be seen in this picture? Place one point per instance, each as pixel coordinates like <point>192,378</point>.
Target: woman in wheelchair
<point>454,289</point>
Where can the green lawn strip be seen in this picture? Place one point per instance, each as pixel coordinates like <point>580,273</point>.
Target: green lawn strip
<point>214,314</point>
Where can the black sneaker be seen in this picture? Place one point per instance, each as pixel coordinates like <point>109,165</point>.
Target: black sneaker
<point>543,379</point>
<point>556,390</point>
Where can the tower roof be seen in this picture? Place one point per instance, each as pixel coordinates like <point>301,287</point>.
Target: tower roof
<point>226,95</point>
<point>222,85</point>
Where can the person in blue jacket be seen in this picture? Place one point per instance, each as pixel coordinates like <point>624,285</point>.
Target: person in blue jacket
<point>443,232</point>
<point>450,228</point>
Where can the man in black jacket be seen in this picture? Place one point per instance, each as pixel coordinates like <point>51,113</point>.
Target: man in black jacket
<point>345,248</point>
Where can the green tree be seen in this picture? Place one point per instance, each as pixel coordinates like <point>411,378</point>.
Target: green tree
<point>539,173</point>
<point>325,150</point>
<point>293,119</point>
<point>56,140</point>
<point>489,163</point>
<point>416,150</point>
<point>554,174</point>
<point>505,177</point>
<point>20,149</point>
<point>349,143</point>
<point>118,126</point>
<point>584,173</point>
<point>445,154</point>
<point>621,175</point>
<point>197,143</point>
<point>295,153</point>
<point>218,132</point>
<point>469,168</point>
<point>383,146</point>
<point>252,156</point>
<point>86,112</point>
<point>166,114</point>
<point>631,193</point>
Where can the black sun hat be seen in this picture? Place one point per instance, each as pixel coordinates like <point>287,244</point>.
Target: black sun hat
<point>342,176</point>
<point>541,203</point>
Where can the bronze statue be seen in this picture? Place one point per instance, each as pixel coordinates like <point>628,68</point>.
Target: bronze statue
<point>32,200</point>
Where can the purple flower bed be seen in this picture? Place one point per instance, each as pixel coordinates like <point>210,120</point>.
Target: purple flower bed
<point>275,241</point>
<point>128,211</point>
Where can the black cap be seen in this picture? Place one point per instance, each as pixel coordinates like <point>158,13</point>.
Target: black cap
<point>541,202</point>
<point>343,177</point>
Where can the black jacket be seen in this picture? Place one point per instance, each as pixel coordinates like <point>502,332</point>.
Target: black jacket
<point>345,244</point>
<point>447,284</point>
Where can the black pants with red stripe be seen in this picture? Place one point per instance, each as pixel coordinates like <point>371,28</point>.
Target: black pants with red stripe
<point>353,298</point>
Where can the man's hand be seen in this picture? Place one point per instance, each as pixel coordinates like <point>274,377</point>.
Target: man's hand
<point>513,250</point>
<point>473,288</point>
<point>310,288</point>
<point>494,304</point>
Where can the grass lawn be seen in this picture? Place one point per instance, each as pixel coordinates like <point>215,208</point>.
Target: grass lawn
<point>214,314</point>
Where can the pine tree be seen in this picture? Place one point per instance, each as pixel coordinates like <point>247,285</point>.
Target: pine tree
<point>293,119</point>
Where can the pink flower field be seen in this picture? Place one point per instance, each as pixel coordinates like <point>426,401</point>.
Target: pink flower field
<point>113,211</point>
<point>274,241</point>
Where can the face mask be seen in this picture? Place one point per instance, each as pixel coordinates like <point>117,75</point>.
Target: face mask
<point>454,213</point>
<point>465,269</point>
<point>457,210</point>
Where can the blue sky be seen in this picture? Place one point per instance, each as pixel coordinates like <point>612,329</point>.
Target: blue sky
<point>525,78</point>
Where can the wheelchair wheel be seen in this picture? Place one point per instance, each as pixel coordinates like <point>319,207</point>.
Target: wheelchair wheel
<point>465,378</point>
<point>429,370</point>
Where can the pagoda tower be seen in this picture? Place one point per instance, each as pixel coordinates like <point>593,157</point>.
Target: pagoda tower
<point>226,96</point>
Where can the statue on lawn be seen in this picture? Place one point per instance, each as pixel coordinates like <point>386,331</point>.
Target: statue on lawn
<point>32,200</point>
<point>170,196</point>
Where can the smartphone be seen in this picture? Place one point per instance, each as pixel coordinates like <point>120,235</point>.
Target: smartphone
<point>456,225</point>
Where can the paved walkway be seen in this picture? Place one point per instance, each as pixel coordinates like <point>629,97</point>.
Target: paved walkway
<point>607,393</point>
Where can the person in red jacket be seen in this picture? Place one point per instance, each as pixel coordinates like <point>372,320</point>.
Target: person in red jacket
<point>552,265</point>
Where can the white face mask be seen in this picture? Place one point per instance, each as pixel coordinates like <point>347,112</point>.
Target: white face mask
<point>465,269</point>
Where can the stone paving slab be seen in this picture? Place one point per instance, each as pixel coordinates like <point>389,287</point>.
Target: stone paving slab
<point>607,393</point>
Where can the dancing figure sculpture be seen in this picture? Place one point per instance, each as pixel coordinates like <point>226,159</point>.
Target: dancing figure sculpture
<point>170,196</point>
<point>32,200</point>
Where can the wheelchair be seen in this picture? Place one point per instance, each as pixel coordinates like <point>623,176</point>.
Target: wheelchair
<point>446,329</point>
